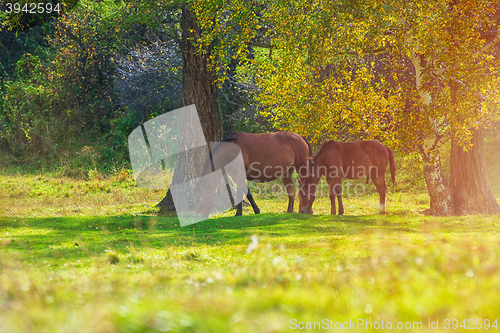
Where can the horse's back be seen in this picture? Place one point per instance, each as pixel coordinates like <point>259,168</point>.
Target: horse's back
<point>360,155</point>
<point>379,154</point>
<point>267,144</point>
<point>263,146</point>
<point>272,153</point>
<point>355,150</point>
<point>281,138</point>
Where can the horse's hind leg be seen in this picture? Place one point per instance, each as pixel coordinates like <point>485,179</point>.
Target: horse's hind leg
<point>381,189</point>
<point>341,205</point>
<point>256,209</point>
<point>335,191</point>
<point>239,198</point>
<point>290,189</point>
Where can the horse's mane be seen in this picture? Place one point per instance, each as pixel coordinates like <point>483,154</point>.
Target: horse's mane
<point>310,148</point>
<point>232,137</point>
<point>323,146</point>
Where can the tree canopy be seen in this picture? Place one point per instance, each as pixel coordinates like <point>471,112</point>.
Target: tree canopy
<point>350,65</point>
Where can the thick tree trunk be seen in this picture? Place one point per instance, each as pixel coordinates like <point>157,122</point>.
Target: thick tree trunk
<point>199,83</point>
<point>437,185</point>
<point>199,88</point>
<point>469,182</point>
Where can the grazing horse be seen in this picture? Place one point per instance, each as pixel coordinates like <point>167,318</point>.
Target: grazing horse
<point>266,156</point>
<point>351,160</point>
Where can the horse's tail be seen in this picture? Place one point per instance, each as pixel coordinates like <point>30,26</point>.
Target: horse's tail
<point>392,166</point>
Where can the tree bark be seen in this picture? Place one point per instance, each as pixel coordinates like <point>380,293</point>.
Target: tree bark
<point>199,88</point>
<point>469,182</point>
<point>437,185</point>
<point>199,83</point>
<point>441,200</point>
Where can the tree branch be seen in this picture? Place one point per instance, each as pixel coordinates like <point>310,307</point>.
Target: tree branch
<point>227,99</point>
<point>483,50</point>
<point>374,51</point>
<point>260,44</point>
<point>488,46</point>
<point>177,21</point>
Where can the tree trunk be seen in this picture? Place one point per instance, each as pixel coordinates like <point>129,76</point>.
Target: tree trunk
<point>469,182</point>
<point>199,88</point>
<point>199,84</point>
<point>437,185</point>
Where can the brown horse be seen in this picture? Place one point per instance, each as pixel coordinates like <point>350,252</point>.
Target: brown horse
<point>266,156</point>
<point>351,160</point>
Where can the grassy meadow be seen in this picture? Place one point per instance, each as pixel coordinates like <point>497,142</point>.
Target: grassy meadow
<point>94,256</point>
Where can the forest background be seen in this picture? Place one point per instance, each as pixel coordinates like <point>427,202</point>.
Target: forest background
<point>420,77</point>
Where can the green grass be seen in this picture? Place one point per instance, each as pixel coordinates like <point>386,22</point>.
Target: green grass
<point>146,274</point>
<point>94,256</point>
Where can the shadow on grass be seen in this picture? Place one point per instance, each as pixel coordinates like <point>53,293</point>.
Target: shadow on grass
<point>80,237</point>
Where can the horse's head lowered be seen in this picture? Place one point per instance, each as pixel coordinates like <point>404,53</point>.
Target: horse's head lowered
<point>203,199</point>
<point>307,192</point>
<point>306,197</point>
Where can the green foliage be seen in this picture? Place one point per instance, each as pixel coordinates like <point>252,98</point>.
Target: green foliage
<point>349,66</point>
<point>29,49</point>
<point>89,80</point>
<point>61,97</point>
<point>94,74</point>
<point>225,28</point>
<point>14,45</point>
<point>29,16</point>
